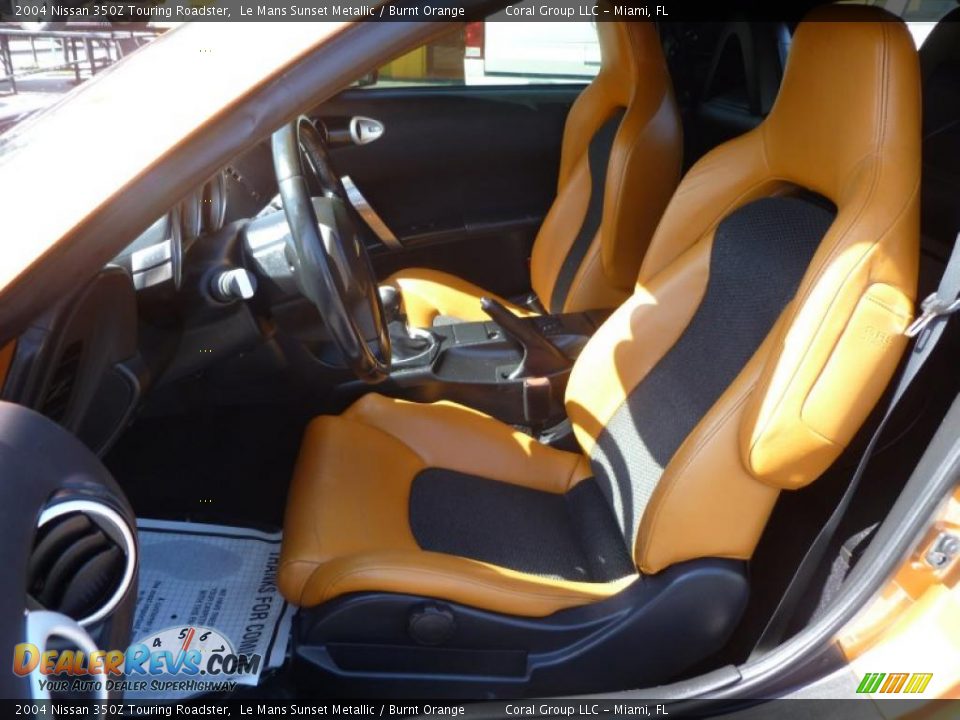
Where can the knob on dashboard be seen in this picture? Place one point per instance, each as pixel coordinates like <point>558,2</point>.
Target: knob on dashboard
<point>233,284</point>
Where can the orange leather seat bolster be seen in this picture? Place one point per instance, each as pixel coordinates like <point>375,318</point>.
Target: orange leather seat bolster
<point>427,294</point>
<point>347,528</point>
<point>642,172</point>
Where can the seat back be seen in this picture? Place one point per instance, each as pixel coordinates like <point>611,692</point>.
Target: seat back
<point>619,165</point>
<point>769,311</point>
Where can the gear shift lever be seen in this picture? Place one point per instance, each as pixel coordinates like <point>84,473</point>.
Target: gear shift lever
<point>408,344</point>
<point>390,299</point>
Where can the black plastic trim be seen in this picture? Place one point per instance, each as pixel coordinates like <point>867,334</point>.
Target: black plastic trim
<point>647,633</point>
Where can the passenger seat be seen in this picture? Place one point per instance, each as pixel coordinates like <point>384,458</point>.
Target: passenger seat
<point>619,165</point>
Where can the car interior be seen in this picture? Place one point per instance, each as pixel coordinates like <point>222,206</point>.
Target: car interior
<point>547,386</point>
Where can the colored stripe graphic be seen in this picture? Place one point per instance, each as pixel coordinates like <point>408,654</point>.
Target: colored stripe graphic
<point>870,682</point>
<point>892,683</point>
<point>918,682</point>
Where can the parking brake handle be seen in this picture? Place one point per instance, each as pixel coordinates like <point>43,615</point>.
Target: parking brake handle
<point>540,356</point>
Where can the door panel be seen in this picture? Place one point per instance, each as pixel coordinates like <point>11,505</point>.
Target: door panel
<point>461,175</point>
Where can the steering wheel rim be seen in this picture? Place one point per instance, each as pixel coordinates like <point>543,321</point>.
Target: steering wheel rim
<point>330,260</point>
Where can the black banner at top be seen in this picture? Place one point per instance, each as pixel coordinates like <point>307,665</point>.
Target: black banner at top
<point>171,11</point>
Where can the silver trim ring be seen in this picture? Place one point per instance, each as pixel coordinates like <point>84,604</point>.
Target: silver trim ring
<point>364,130</point>
<point>41,625</point>
<point>191,216</point>
<point>110,521</point>
<point>215,213</point>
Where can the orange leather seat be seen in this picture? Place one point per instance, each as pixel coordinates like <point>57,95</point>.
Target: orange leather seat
<point>619,165</point>
<point>767,319</point>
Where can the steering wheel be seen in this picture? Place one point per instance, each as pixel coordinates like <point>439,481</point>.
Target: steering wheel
<point>330,261</point>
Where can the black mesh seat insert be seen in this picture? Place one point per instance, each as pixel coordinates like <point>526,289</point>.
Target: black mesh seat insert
<point>572,536</point>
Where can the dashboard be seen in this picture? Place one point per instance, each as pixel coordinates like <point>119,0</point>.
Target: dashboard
<point>88,360</point>
<point>156,258</point>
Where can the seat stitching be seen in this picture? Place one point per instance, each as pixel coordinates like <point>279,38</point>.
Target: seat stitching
<point>879,133</point>
<point>886,306</point>
<point>328,587</point>
<point>867,253</point>
<point>590,259</point>
<point>631,150</point>
<point>694,454</point>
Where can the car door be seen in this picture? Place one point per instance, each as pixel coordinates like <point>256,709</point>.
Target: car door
<point>456,147</point>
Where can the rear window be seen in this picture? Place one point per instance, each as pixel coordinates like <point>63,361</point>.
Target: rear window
<point>920,15</point>
<point>498,51</point>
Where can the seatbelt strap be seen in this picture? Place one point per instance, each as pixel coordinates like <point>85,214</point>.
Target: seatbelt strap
<point>926,329</point>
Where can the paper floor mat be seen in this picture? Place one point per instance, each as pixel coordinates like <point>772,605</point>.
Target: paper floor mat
<point>212,589</point>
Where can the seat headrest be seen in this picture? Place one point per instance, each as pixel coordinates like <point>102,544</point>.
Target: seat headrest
<point>850,91</point>
<point>625,49</point>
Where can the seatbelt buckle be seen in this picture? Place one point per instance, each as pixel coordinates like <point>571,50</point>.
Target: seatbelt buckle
<point>930,309</point>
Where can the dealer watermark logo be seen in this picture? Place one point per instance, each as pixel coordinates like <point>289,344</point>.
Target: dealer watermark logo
<point>903,683</point>
<point>179,658</point>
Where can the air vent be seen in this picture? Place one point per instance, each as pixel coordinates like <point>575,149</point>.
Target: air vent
<point>44,626</point>
<point>56,399</point>
<point>82,561</point>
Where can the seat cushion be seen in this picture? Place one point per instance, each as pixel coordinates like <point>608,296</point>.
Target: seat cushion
<point>570,536</point>
<point>431,294</point>
<point>348,524</point>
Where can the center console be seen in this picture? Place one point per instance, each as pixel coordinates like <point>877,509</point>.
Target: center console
<point>515,369</point>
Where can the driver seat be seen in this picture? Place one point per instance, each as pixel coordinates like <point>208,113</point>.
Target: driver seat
<point>432,541</point>
<point>619,164</point>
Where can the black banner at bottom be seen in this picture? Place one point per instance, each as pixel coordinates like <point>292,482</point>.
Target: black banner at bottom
<point>756,710</point>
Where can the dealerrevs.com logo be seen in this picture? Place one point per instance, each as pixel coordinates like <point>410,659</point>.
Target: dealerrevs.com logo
<point>190,658</point>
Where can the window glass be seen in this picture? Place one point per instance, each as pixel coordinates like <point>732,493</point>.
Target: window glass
<point>498,52</point>
<point>919,15</point>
